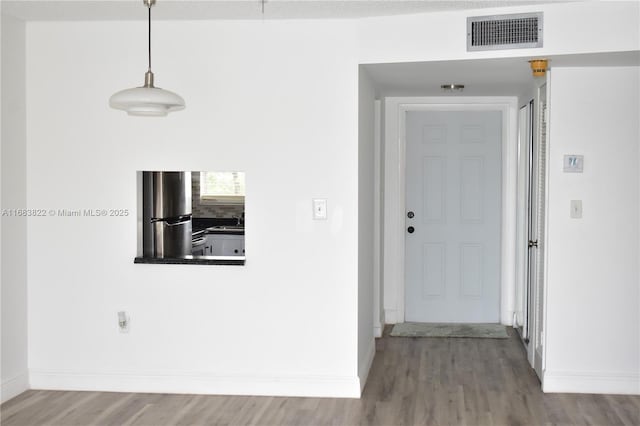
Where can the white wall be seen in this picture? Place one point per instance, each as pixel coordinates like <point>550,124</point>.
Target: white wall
<point>593,277</point>
<point>278,100</point>
<point>569,28</point>
<point>14,229</point>
<point>366,343</point>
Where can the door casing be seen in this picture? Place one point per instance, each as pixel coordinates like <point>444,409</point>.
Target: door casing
<point>394,190</point>
<point>535,344</point>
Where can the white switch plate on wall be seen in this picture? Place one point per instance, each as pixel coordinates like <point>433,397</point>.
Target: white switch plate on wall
<point>576,209</point>
<point>320,209</point>
<point>123,322</point>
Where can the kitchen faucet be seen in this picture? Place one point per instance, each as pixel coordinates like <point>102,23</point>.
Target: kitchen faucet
<point>240,220</point>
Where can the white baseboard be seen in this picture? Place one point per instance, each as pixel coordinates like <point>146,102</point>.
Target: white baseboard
<point>14,386</point>
<point>197,383</point>
<point>591,382</point>
<point>377,330</point>
<point>365,367</point>
<point>506,318</point>
<point>391,316</point>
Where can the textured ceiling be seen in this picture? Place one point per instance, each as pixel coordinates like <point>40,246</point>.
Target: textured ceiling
<point>236,9</point>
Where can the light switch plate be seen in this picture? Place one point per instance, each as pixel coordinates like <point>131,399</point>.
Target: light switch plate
<point>320,209</point>
<point>573,163</point>
<point>123,322</point>
<point>576,209</point>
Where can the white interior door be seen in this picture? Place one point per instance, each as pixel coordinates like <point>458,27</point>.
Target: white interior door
<point>452,244</point>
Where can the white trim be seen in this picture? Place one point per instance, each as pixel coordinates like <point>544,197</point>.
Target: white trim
<point>366,365</point>
<point>545,278</point>
<point>520,299</point>
<point>377,217</point>
<point>394,205</point>
<point>14,386</point>
<point>391,316</point>
<point>197,383</point>
<point>537,357</point>
<point>538,304</point>
<point>377,329</point>
<point>591,382</point>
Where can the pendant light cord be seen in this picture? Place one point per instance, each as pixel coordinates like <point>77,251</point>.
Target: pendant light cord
<point>148,76</point>
<point>149,37</point>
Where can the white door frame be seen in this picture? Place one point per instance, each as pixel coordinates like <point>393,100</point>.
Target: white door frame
<point>378,320</point>
<point>394,190</point>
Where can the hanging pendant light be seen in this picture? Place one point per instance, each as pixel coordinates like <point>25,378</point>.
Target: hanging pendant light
<point>148,100</point>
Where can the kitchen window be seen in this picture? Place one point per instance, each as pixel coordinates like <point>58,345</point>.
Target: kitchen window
<point>222,187</point>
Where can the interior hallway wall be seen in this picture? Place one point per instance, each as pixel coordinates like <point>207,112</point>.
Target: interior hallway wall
<point>14,199</point>
<point>275,99</point>
<point>593,275</point>
<point>366,117</point>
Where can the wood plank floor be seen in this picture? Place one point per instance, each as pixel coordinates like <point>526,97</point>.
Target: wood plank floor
<point>413,381</point>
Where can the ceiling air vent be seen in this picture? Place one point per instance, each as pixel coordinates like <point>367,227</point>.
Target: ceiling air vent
<point>517,31</point>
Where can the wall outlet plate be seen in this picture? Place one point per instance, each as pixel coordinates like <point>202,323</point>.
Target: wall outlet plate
<point>320,209</point>
<point>573,163</point>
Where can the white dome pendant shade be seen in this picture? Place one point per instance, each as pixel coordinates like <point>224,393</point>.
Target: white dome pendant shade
<point>148,100</point>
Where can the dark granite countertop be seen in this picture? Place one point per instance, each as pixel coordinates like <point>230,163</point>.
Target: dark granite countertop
<point>202,223</point>
<point>193,260</point>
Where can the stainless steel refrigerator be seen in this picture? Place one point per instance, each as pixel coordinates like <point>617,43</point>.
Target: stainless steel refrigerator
<point>166,214</point>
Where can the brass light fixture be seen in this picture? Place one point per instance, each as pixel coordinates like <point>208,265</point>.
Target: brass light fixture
<point>539,67</point>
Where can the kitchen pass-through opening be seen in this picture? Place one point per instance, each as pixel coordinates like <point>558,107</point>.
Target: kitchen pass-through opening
<point>191,217</point>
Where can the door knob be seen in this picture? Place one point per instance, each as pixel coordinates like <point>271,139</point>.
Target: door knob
<point>410,215</point>
<point>411,229</point>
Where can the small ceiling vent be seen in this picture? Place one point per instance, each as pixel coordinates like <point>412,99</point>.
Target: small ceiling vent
<point>517,31</point>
